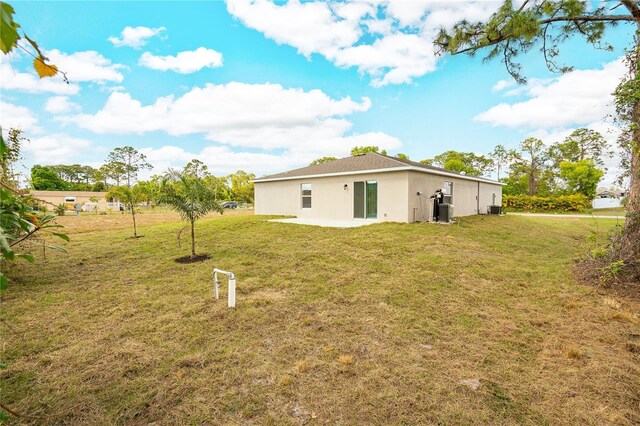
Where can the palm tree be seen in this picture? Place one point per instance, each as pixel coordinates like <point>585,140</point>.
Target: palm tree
<point>190,196</point>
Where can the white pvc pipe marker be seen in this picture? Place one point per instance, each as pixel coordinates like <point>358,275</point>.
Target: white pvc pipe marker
<point>232,286</point>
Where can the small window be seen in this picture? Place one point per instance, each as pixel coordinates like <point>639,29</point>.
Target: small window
<point>306,195</point>
<point>447,189</point>
<point>69,199</point>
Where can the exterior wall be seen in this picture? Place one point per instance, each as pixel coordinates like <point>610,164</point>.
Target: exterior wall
<point>57,197</point>
<point>467,195</point>
<point>486,196</point>
<point>329,198</point>
<point>397,196</point>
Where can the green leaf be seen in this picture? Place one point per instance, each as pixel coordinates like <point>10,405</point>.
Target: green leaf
<point>34,44</point>
<point>29,258</point>
<point>8,28</point>
<point>4,283</point>
<point>3,146</point>
<point>3,366</point>
<point>60,249</point>
<point>7,252</point>
<point>63,236</point>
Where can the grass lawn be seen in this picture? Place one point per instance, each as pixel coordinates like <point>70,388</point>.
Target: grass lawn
<point>371,325</point>
<point>609,211</point>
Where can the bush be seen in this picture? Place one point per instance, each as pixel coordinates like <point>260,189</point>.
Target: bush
<point>563,203</point>
<point>60,209</point>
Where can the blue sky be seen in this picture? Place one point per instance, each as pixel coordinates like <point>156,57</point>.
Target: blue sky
<point>268,87</point>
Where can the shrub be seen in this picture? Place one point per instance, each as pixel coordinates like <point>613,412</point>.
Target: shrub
<point>563,203</point>
<point>60,209</point>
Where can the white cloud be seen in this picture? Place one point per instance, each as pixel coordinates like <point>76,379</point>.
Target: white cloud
<point>14,116</point>
<point>576,98</point>
<point>60,105</point>
<point>391,41</point>
<point>220,160</point>
<point>86,66</point>
<point>300,125</point>
<point>394,59</point>
<point>135,37</point>
<point>54,149</point>
<point>184,62</point>
<point>257,115</point>
<point>502,84</point>
<point>12,79</point>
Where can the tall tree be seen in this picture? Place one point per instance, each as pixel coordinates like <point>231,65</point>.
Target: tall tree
<point>149,191</point>
<point>131,160</point>
<point>45,178</point>
<point>196,168</point>
<point>532,161</point>
<point>463,162</point>
<point>516,29</point>
<point>191,197</point>
<point>581,177</point>
<point>219,186</point>
<point>241,186</point>
<point>501,158</point>
<point>86,174</point>
<point>582,144</point>
<point>322,160</point>
<point>358,150</point>
<point>113,170</point>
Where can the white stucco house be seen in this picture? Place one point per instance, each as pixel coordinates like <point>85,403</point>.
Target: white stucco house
<point>372,187</point>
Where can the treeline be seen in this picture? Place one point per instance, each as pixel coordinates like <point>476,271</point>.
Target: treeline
<point>573,166</point>
<point>121,169</point>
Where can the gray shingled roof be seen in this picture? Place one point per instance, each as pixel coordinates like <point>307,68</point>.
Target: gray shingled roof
<point>362,162</point>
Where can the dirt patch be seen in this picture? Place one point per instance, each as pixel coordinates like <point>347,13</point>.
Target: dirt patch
<point>189,259</point>
<point>627,285</point>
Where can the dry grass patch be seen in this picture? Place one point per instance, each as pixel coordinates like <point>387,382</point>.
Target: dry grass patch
<point>372,325</point>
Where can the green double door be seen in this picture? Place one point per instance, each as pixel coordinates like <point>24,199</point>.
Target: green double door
<point>365,200</point>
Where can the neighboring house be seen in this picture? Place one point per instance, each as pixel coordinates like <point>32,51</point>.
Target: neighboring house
<point>609,193</point>
<point>372,186</point>
<point>606,198</point>
<point>72,198</point>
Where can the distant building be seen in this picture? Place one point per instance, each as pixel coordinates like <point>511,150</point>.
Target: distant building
<point>607,198</point>
<point>71,199</point>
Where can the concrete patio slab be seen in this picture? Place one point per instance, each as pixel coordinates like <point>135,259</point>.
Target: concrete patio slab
<point>326,223</point>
